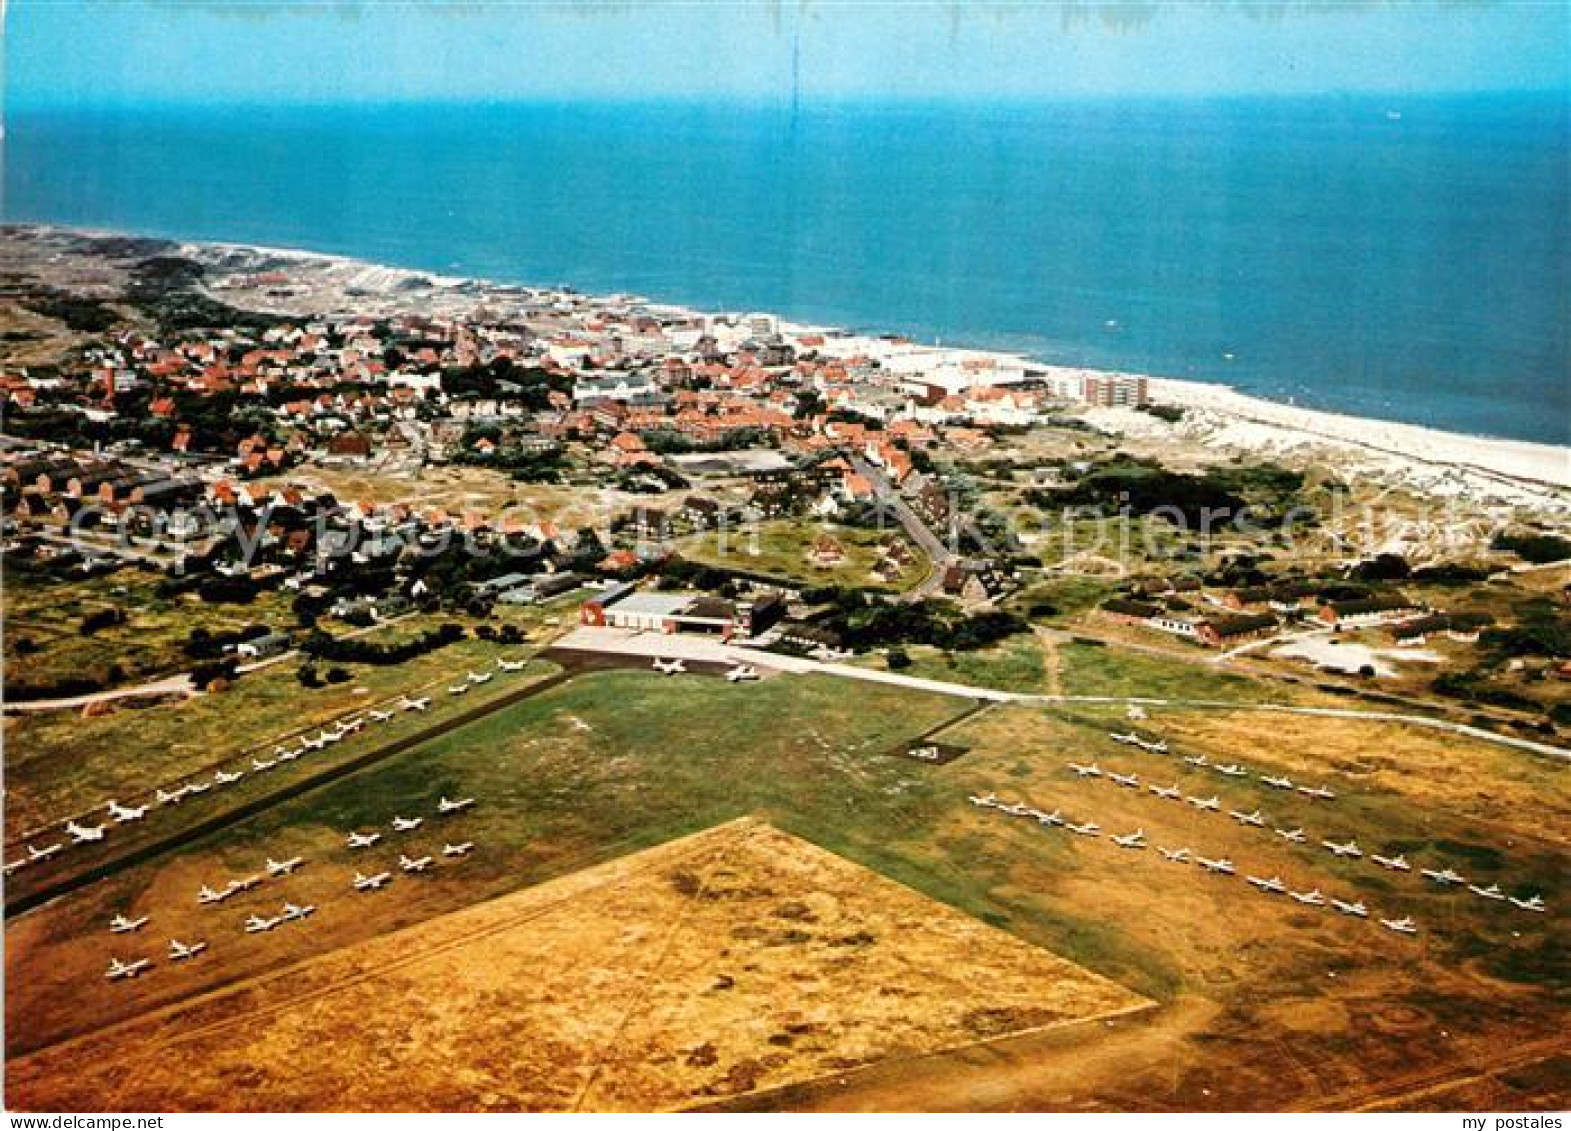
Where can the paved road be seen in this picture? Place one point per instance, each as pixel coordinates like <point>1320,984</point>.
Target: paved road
<point>938,554</point>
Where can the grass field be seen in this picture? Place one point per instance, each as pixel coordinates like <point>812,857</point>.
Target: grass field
<point>781,549</point>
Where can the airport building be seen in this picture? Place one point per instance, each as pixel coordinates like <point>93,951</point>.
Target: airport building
<point>623,606</point>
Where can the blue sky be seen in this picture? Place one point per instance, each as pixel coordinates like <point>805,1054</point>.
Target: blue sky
<point>76,52</point>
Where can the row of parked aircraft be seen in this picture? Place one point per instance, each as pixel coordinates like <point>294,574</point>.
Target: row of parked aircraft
<point>411,864</point>
<point>1227,769</point>
<point>1136,841</point>
<point>475,679</point>
<point>444,808</point>
<point>178,952</point>
<point>290,913</point>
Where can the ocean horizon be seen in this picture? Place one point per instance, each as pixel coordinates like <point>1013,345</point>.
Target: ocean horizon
<point>1389,257</point>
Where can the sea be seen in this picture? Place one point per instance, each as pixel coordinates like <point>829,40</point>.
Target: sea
<point>1403,258</point>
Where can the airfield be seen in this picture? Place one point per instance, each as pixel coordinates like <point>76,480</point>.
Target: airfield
<point>1035,968</point>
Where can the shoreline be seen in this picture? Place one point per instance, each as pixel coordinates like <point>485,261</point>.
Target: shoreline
<point>1435,460</point>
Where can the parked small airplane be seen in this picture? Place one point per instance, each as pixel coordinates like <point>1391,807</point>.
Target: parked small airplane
<point>291,755</point>
<point>1087,829</point>
<point>1276,783</point>
<point>244,883</point>
<point>1400,926</point>
<point>1531,903</point>
<point>280,751</point>
<point>1212,803</point>
<point>458,689</point>
<point>371,883</point>
<point>1136,839</point>
<point>363,840</point>
<point>1319,792</point>
<point>985,801</point>
<point>1254,818</point>
<point>221,778</point>
<point>741,673</point>
<point>256,924</point>
<point>328,737</point>
<point>1176,855</point>
<point>670,667</point>
<point>1312,898</point>
<point>1130,739</point>
<point>198,787</point>
<point>123,813</point>
<point>179,951</point>
<point>1223,866</point>
<point>1296,836</point>
<point>443,805</point>
<point>1350,849</point>
<point>463,849</point>
<point>1198,760</point>
<point>1128,781</point>
<point>409,704</point>
<point>83,834</point>
<point>348,726</point>
<point>512,665</point>
<point>283,867</point>
<point>316,743</point>
<point>120,925</point>
<point>1491,892</point>
<point>479,677</point>
<point>1232,770</point>
<point>1171,793</point>
<point>1358,910</point>
<point>42,853</point>
<point>258,765</point>
<point>407,824</point>
<point>379,716</point>
<point>1274,885</point>
<point>169,798</point>
<point>14,866</point>
<point>118,969</point>
<point>1056,817</point>
<point>208,895</point>
<point>418,864</point>
<point>293,911</point>
<point>1091,771</point>
<point>1393,863</point>
<point>1443,877</point>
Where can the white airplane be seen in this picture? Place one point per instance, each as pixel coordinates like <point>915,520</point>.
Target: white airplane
<point>511,665</point>
<point>1136,839</point>
<point>120,925</point>
<point>1157,747</point>
<point>1350,849</point>
<point>1319,791</point>
<point>419,864</point>
<point>1296,836</point>
<point>985,801</point>
<point>291,755</point>
<point>1531,903</point>
<point>1402,926</point>
<point>202,787</point>
<point>1056,817</point>
<point>463,849</point>
<point>1212,803</point>
<point>328,737</point>
<point>1171,793</point>
<point>1254,818</point>
<point>1091,771</point>
<point>363,840</point>
<point>380,716</point>
<point>1491,892</point>
<point>443,805</point>
<point>371,883</point>
<point>244,883</point>
<point>258,765</point>
<point>1358,910</point>
<point>1135,711</point>
<point>14,866</point>
<point>1176,855</point>
<point>1128,781</point>
<point>1274,885</point>
<point>670,667</point>
<point>409,704</point>
<point>1443,877</point>
<point>179,951</point>
<point>123,813</point>
<point>255,924</point>
<point>1394,863</point>
<point>1087,829</point>
<point>1232,770</point>
<point>1276,783</point>
<point>1223,866</point>
<point>349,726</point>
<point>479,677</point>
<point>1019,809</point>
<point>82,834</point>
<point>1312,898</point>
<point>42,853</point>
<point>283,867</point>
<point>163,798</point>
<point>407,824</point>
<point>1130,739</point>
<point>293,911</point>
<point>742,672</point>
<point>118,969</point>
<point>457,688</point>
<point>1198,760</point>
<point>280,751</point>
<point>221,778</point>
<point>316,743</point>
<point>208,895</point>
